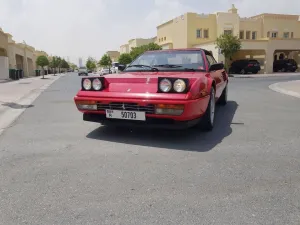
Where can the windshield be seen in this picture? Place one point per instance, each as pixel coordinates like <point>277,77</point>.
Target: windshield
<point>168,61</point>
<point>82,68</point>
<point>115,64</point>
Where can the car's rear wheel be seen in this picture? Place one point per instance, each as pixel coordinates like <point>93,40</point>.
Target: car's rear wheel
<point>207,122</point>
<point>223,97</point>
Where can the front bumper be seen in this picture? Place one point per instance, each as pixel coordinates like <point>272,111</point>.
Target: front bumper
<point>152,123</point>
<point>192,112</point>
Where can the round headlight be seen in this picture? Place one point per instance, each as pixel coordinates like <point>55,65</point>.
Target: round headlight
<point>165,85</point>
<point>97,85</point>
<point>87,84</point>
<point>179,85</point>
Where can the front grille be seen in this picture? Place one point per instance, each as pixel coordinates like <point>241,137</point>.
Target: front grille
<point>149,109</point>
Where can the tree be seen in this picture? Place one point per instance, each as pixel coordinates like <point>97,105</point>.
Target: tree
<point>91,64</point>
<point>105,61</point>
<point>64,64</point>
<point>125,59</point>
<point>153,47</point>
<point>137,51</point>
<point>59,61</point>
<point>54,63</point>
<point>42,61</point>
<point>73,66</point>
<point>229,45</point>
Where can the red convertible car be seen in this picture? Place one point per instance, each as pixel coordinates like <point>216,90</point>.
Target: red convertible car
<point>176,88</point>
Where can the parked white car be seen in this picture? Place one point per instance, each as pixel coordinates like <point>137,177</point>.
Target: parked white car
<point>104,71</point>
<point>114,67</point>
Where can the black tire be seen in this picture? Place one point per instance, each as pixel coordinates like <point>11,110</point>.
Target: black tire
<point>207,122</point>
<point>223,97</point>
<point>255,72</point>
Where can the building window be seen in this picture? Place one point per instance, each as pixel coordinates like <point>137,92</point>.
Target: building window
<point>268,34</point>
<point>199,33</point>
<point>241,34</point>
<point>286,34</point>
<point>228,32</point>
<point>274,34</point>
<point>292,34</point>
<point>206,33</point>
<point>248,33</point>
<point>165,38</point>
<point>253,35</point>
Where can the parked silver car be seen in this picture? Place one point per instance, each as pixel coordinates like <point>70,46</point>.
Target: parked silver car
<point>82,71</point>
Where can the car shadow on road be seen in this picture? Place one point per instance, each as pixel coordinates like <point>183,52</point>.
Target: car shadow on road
<point>14,105</point>
<point>186,140</point>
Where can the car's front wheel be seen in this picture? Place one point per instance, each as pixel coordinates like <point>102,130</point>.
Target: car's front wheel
<point>208,119</point>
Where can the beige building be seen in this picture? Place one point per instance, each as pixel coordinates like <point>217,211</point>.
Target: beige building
<point>4,65</point>
<point>17,56</point>
<point>21,56</point>
<point>114,55</point>
<point>137,42</point>
<point>263,37</point>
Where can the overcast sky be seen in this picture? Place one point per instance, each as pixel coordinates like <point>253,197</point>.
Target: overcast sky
<point>91,27</point>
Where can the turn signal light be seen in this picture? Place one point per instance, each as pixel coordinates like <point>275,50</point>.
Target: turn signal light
<point>86,105</point>
<point>166,109</point>
<point>168,106</point>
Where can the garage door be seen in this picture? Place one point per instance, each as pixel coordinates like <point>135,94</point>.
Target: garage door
<point>165,46</point>
<point>4,68</point>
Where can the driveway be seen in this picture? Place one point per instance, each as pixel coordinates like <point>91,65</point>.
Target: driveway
<point>57,169</point>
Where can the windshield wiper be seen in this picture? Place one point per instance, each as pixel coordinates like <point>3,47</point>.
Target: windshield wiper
<point>189,69</point>
<point>143,66</point>
<point>175,66</point>
<point>167,66</point>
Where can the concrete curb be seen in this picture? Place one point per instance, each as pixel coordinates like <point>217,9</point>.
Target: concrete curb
<point>9,116</point>
<point>275,87</point>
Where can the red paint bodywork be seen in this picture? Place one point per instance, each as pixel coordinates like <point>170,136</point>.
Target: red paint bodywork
<point>142,88</point>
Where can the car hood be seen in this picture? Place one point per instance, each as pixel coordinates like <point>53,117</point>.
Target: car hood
<point>140,85</point>
<point>144,82</point>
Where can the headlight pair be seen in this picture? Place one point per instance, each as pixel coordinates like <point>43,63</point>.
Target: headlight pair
<point>92,84</point>
<point>176,85</point>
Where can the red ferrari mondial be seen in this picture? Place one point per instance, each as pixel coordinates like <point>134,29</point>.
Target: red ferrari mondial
<point>173,89</point>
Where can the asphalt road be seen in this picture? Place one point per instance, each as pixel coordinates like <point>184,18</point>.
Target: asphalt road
<point>57,169</point>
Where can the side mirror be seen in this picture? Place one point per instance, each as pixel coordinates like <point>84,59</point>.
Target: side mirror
<point>217,66</point>
<point>121,67</point>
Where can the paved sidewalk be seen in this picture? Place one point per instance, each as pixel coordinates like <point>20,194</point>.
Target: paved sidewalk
<point>16,96</point>
<point>264,75</point>
<point>291,88</point>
